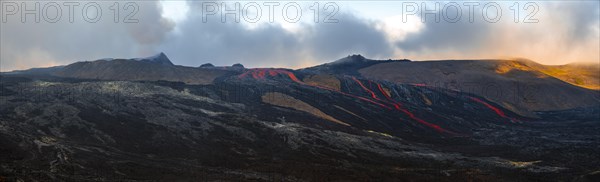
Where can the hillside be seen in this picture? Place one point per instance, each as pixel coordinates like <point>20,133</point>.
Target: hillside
<point>354,119</point>
<point>513,84</point>
<point>121,69</point>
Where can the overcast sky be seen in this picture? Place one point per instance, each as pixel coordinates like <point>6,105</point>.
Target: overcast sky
<point>191,33</point>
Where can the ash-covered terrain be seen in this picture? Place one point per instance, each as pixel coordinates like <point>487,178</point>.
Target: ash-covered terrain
<point>150,120</point>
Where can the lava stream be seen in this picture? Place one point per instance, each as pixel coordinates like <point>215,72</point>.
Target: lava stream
<point>261,73</point>
<point>495,109</point>
<point>365,88</point>
<point>398,107</point>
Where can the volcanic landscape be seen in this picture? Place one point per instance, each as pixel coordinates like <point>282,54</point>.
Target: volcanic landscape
<point>353,119</point>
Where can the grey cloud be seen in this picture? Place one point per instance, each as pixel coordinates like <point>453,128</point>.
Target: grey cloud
<point>459,36</point>
<point>193,42</point>
<point>565,33</point>
<point>270,44</point>
<point>229,43</point>
<point>151,28</point>
<point>350,35</point>
<point>462,35</point>
<point>31,44</point>
<point>582,16</point>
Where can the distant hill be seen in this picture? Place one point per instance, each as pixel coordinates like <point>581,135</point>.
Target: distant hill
<point>348,65</point>
<point>121,69</point>
<point>586,75</point>
<point>519,85</point>
<point>153,68</point>
<point>354,119</point>
<point>523,86</point>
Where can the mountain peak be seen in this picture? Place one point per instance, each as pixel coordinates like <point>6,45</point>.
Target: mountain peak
<point>238,66</point>
<point>350,59</point>
<point>160,58</point>
<point>207,65</point>
<point>356,56</point>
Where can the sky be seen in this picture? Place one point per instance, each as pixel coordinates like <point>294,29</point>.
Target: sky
<point>296,34</point>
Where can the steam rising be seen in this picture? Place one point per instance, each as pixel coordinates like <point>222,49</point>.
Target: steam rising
<point>567,32</point>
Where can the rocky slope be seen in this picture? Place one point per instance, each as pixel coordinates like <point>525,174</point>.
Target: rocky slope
<point>513,84</point>
<point>277,124</point>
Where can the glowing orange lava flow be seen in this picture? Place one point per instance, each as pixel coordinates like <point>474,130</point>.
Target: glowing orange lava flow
<point>383,92</point>
<point>398,107</point>
<point>260,73</point>
<point>498,111</point>
<point>365,88</point>
<point>350,95</point>
<point>272,73</point>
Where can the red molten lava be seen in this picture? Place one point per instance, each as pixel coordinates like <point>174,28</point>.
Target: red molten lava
<point>495,109</point>
<point>383,92</point>
<point>263,73</point>
<point>365,88</point>
<point>273,73</point>
<point>398,107</point>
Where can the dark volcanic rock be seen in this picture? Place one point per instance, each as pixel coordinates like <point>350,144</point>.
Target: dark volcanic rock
<point>348,65</point>
<point>135,120</point>
<point>207,65</point>
<point>121,69</point>
<point>237,67</point>
<point>160,58</point>
<point>512,84</point>
<point>64,131</point>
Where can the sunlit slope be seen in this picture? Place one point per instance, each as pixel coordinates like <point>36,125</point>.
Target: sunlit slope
<point>522,86</point>
<point>579,74</point>
<point>586,75</point>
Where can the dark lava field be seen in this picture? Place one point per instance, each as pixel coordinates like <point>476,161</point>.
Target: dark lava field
<point>94,121</point>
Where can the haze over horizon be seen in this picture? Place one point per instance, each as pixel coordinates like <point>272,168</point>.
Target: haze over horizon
<point>566,32</point>
<point>332,90</point>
